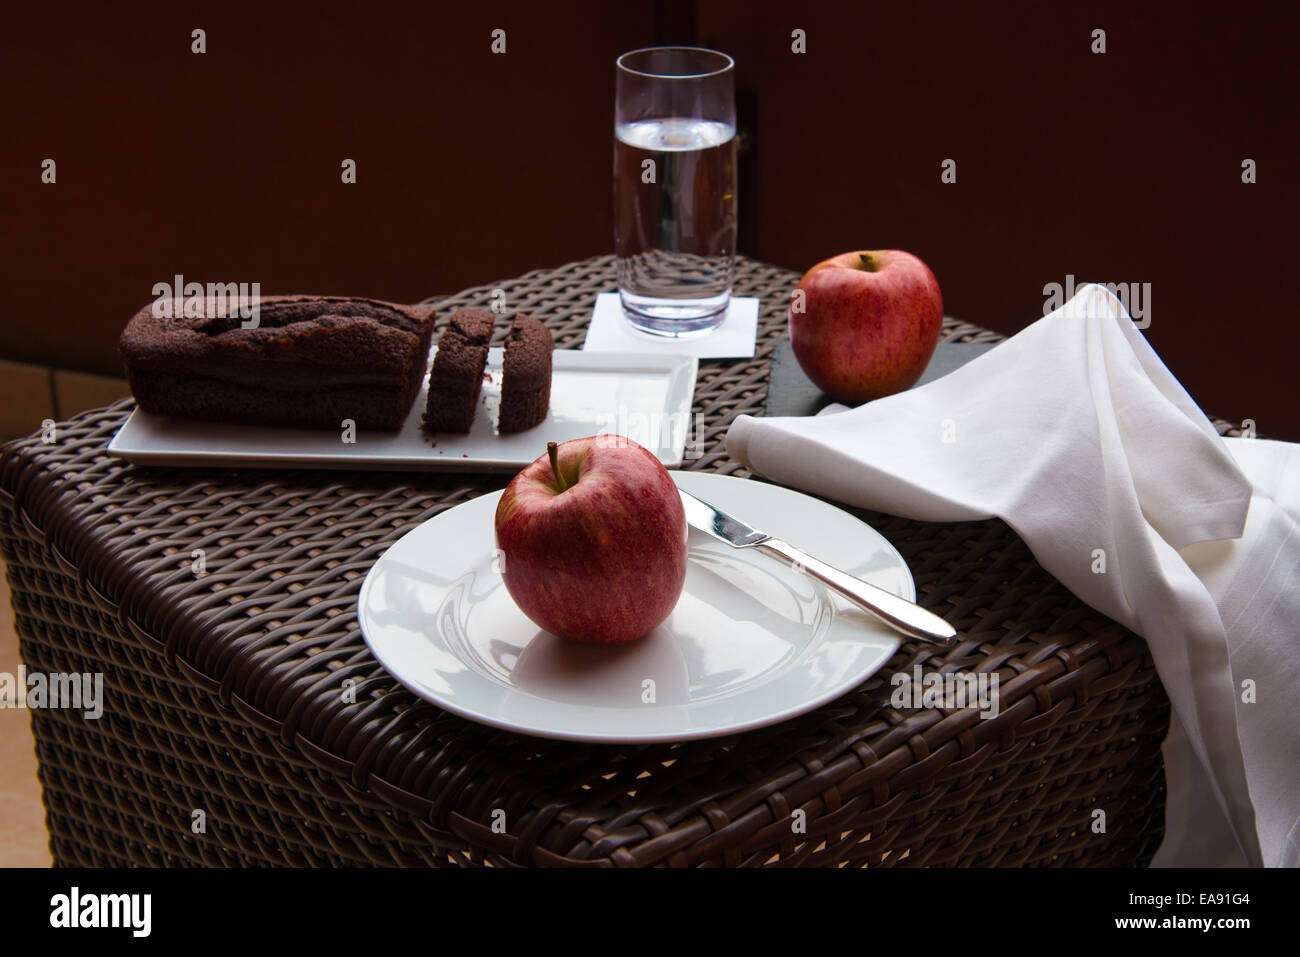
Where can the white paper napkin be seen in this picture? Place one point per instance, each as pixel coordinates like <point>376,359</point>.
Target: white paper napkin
<point>1075,434</point>
<point>733,339</point>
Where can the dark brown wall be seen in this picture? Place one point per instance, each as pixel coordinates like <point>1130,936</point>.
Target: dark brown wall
<point>472,167</point>
<point>226,166</point>
<point>1122,167</point>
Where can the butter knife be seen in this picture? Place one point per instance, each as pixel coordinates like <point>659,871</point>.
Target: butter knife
<point>899,613</point>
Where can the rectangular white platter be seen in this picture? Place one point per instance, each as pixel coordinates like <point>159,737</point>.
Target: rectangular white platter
<point>645,397</point>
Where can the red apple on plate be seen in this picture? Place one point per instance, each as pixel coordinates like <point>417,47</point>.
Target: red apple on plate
<point>866,323</point>
<point>593,540</point>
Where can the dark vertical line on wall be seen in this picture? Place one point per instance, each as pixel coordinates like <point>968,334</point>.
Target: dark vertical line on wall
<point>54,395</point>
<point>747,172</point>
<point>675,23</point>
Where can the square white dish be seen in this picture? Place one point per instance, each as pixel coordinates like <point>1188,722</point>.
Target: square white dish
<point>645,397</point>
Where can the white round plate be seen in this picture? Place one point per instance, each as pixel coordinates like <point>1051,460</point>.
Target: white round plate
<point>750,643</point>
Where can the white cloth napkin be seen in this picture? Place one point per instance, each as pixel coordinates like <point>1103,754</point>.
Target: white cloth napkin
<point>1076,435</point>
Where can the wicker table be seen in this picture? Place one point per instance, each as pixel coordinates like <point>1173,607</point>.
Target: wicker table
<point>224,692</point>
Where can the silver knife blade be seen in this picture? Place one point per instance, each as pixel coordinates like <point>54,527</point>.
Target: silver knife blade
<point>898,613</point>
<point>719,524</point>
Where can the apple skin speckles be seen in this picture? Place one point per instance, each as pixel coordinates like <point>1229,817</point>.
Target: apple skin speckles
<point>603,560</point>
<point>863,333</point>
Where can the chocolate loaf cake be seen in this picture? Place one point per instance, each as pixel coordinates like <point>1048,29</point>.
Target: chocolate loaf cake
<point>526,379</point>
<point>457,376</point>
<point>310,362</point>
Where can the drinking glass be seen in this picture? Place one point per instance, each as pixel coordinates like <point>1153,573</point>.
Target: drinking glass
<point>675,188</point>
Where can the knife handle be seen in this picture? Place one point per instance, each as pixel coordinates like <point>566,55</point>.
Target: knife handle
<point>899,613</point>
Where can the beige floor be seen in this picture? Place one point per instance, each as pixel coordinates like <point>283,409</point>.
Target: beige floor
<point>23,841</point>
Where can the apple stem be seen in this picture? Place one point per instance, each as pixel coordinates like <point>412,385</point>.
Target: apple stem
<point>867,262</point>
<point>553,451</point>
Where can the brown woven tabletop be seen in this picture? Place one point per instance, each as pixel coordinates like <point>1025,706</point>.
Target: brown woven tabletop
<point>224,692</point>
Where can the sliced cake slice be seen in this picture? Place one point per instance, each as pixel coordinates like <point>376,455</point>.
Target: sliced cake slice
<point>526,376</point>
<point>457,375</point>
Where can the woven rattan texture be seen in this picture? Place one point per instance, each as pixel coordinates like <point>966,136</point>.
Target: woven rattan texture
<point>224,691</point>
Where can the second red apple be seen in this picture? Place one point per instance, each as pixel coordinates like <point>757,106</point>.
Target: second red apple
<point>867,323</point>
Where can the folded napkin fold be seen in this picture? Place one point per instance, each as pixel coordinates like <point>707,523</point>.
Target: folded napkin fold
<point>1076,434</point>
